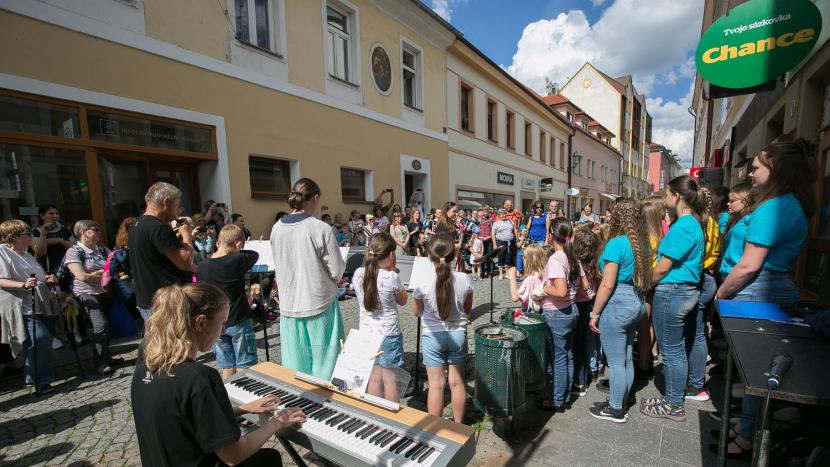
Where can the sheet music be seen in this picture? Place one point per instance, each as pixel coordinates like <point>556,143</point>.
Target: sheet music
<point>422,271</point>
<point>344,252</point>
<point>263,247</point>
<point>353,364</point>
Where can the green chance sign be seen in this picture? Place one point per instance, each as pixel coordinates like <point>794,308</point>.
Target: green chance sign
<point>757,41</point>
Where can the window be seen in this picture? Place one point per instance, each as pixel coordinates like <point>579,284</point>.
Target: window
<point>542,139</point>
<point>254,23</point>
<point>339,43</point>
<point>412,75</point>
<point>352,184</point>
<point>269,177</point>
<point>528,139</point>
<point>511,137</point>
<point>584,126</point>
<point>562,156</point>
<point>492,121</point>
<point>553,152</point>
<point>602,174</point>
<point>467,108</point>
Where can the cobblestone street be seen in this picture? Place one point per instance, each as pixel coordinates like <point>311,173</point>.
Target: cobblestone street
<point>89,422</point>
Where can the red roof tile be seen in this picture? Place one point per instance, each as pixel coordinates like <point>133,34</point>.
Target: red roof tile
<point>555,99</point>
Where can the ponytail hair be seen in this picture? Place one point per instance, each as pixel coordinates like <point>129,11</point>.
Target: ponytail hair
<point>586,247</point>
<point>380,246</point>
<point>441,252</point>
<point>168,333</point>
<point>561,231</point>
<point>302,192</point>
<point>630,220</point>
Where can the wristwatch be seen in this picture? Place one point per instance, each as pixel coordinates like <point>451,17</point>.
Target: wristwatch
<point>593,316</point>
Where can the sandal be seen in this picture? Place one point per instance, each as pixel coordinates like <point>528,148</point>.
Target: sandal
<point>743,454</point>
<point>544,404</point>
<point>716,433</point>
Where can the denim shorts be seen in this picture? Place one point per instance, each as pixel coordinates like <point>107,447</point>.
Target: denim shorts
<point>444,347</point>
<point>392,348</point>
<point>237,347</point>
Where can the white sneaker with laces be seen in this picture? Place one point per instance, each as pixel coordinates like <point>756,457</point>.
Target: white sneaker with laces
<point>56,343</point>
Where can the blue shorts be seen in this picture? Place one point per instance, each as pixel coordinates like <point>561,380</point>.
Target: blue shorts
<point>237,347</point>
<point>392,348</point>
<point>444,347</point>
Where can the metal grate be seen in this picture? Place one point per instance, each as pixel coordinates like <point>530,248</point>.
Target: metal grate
<point>537,350</point>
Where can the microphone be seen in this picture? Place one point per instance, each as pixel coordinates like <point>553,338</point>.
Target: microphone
<point>780,364</point>
<point>468,219</point>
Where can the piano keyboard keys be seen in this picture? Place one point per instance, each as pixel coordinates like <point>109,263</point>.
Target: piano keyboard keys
<point>378,445</point>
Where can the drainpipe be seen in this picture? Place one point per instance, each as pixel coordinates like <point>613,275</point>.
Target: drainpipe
<point>570,172</point>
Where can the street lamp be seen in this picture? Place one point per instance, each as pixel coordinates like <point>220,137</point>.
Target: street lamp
<point>575,161</point>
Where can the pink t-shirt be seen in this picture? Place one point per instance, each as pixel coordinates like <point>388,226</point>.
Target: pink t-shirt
<point>557,268</point>
<point>585,295</point>
<point>526,290</point>
<point>665,227</point>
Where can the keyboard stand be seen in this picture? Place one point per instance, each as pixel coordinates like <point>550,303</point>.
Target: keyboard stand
<point>295,456</point>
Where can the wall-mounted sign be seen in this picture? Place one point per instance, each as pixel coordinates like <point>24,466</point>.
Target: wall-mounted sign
<point>757,41</point>
<point>28,211</point>
<point>9,194</point>
<point>506,179</point>
<point>528,183</point>
<point>694,172</point>
<point>546,184</point>
<point>416,164</point>
<point>136,131</point>
<point>572,191</point>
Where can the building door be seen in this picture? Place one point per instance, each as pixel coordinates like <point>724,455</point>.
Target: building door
<point>185,177</point>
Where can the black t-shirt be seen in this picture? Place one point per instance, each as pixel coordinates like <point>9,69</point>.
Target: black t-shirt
<point>181,421</point>
<point>54,253</point>
<point>150,239</point>
<point>228,274</point>
<point>415,228</point>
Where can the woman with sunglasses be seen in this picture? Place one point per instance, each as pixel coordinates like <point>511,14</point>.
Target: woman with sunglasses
<point>86,262</point>
<point>536,230</point>
<point>19,272</point>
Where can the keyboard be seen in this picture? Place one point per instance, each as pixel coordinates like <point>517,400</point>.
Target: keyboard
<point>352,432</point>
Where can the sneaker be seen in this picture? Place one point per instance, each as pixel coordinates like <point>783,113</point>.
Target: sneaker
<point>112,361</point>
<point>56,343</point>
<point>579,390</point>
<point>601,370</point>
<point>501,277</point>
<point>717,415</point>
<point>693,394</point>
<point>659,408</point>
<point>605,412</point>
<point>604,385</point>
<point>46,389</point>
<point>103,369</point>
<point>78,339</point>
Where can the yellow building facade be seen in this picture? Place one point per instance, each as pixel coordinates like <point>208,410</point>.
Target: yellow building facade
<point>231,101</point>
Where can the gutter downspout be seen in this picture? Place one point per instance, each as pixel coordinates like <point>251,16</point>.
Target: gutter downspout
<point>570,172</point>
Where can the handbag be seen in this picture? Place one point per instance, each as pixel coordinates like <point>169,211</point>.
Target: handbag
<point>121,322</point>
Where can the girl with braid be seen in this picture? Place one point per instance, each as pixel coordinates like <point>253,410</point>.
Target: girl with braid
<point>654,209</point>
<point>379,292</point>
<point>444,302</point>
<point>676,292</point>
<point>587,249</point>
<point>562,278</point>
<point>626,267</point>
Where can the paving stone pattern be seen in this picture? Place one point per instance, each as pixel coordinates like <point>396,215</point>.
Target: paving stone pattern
<point>89,422</point>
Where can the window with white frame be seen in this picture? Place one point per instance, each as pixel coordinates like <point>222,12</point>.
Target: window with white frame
<point>412,72</point>
<point>339,43</point>
<point>256,24</point>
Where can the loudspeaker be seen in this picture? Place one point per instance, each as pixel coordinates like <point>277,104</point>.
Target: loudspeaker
<point>354,259</point>
<point>404,267</point>
<point>710,177</point>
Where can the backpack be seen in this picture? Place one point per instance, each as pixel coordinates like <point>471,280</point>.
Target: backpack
<point>119,270</point>
<point>63,273</point>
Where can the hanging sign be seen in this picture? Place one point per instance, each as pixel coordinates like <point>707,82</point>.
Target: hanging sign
<point>757,41</point>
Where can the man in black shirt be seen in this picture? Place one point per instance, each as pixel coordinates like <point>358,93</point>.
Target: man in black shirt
<point>157,256</point>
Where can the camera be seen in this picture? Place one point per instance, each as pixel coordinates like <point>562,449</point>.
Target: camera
<point>220,205</point>
<point>202,230</point>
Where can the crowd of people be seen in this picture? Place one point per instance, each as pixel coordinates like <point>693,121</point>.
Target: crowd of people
<point>647,269</point>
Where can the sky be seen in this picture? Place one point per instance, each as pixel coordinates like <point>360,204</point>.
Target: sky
<point>652,40</point>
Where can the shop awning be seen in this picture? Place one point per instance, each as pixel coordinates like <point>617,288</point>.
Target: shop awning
<point>468,203</point>
<point>609,196</point>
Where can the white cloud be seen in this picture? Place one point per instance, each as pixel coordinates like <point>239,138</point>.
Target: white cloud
<point>597,2</point>
<point>444,8</point>
<point>652,40</point>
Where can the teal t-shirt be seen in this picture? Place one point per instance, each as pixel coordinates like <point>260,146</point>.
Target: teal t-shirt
<point>724,218</point>
<point>781,225</point>
<point>684,244</point>
<point>619,251</point>
<point>733,246</point>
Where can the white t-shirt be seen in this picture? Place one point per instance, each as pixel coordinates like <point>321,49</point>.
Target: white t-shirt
<point>19,268</point>
<point>456,320</point>
<point>384,319</point>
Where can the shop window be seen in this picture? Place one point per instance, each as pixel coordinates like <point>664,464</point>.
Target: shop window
<point>492,121</point>
<point>269,177</point>
<point>352,184</point>
<point>123,186</point>
<point>34,175</point>
<point>257,24</point>
<point>339,43</point>
<point>413,75</point>
<point>467,106</point>
<point>38,118</point>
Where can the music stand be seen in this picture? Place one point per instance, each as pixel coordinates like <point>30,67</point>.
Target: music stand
<point>416,388</point>
<point>264,313</point>
<point>491,256</point>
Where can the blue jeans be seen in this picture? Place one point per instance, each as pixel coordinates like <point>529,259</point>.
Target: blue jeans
<point>45,371</point>
<point>672,304</point>
<point>765,287</point>
<point>520,263</point>
<point>696,350</point>
<point>593,345</point>
<point>624,310</point>
<point>581,361</point>
<point>237,347</point>
<point>561,323</point>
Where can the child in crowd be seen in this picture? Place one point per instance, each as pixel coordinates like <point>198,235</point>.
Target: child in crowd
<point>626,273</point>
<point>654,211</point>
<point>444,303</point>
<point>226,269</point>
<point>520,244</point>
<point>592,342</point>
<point>344,238</point>
<point>562,277</point>
<point>421,246</point>
<point>476,252</point>
<point>535,259</point>
<point>379,291</point>
<point>586,247</point>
